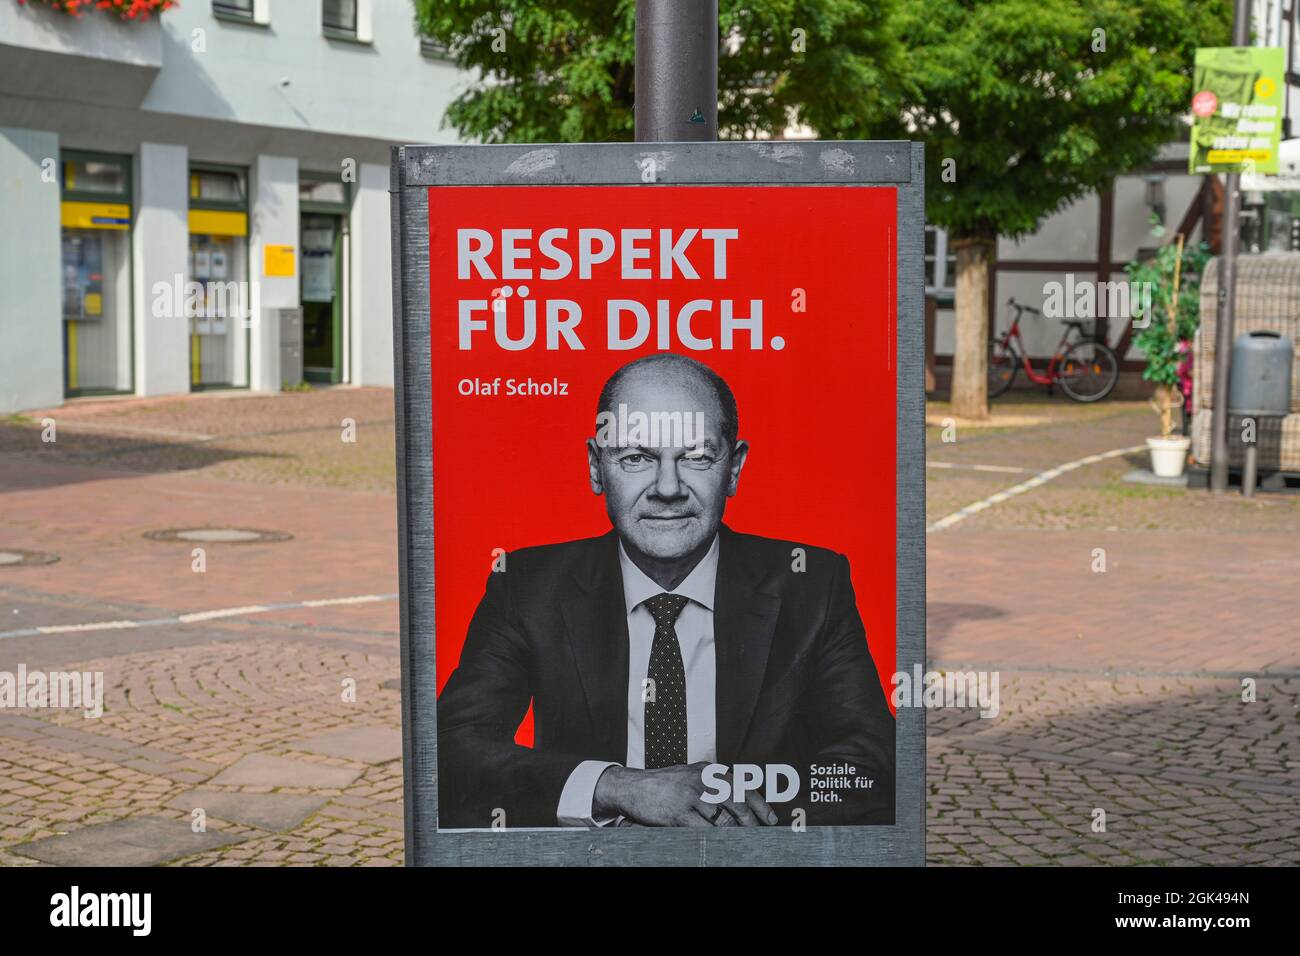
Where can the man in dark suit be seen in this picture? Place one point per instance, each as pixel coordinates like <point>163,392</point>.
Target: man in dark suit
<point>665,648</point>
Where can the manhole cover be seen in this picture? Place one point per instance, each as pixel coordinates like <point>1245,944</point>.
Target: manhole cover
<point>218,535</point>
<point>16,558</point>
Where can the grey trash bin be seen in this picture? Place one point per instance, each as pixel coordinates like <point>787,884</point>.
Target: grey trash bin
<point>1259,387</point>
<point>1260,383</point>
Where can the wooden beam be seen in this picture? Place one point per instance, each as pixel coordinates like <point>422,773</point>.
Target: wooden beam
<point>1105,230</point>
<point>1054,265</point>
<point>1213,231</point>
<point>1127,365</point>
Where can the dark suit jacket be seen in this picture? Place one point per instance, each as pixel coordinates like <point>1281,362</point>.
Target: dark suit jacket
<point>795,681</point>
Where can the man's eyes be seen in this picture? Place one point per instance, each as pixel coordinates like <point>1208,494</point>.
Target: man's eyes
<point>635,462</point>
<point>701,461</point>
<point>638,462</point>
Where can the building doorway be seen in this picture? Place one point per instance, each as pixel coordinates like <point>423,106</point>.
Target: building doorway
<point>322,313</point>
<point>218,262</point>
<point>323,241</point>
<point>96,237</point>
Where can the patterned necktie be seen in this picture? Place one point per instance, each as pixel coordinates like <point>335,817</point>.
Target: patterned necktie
<point>665,714</point>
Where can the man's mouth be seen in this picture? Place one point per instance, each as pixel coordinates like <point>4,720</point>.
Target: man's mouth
<point>666,517</point>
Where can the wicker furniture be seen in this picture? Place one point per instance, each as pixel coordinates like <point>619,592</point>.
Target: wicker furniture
<point>1268,297</point>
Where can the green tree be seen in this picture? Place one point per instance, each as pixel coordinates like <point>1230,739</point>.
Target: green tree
<point>1024,105</point>
<point>1027,105</point>
<point>563,72</point>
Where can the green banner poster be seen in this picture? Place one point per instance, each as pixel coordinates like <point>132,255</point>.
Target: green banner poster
<point>1237,109</point>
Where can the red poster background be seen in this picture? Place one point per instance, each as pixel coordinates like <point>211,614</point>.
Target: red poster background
<point>819,414</point>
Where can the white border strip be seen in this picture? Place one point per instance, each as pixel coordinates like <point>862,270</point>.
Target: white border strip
<point>1000,469</point>
<point>1042,478</point>
<point>194,617</point>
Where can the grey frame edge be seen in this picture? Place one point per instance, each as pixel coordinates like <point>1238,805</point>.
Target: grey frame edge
<point>857,163</point>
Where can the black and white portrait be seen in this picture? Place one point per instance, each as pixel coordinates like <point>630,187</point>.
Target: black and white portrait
<point>672,658</point>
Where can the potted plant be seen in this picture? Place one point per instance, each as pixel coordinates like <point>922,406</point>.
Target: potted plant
<point>1166,313</point>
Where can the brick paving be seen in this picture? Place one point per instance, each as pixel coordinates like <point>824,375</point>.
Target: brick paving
<point>1122,620</point>
<point>182,718</point>
<point>1120,690</point>
<point>1185,772</point>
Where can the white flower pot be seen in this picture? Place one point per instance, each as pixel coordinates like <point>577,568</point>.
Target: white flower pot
<point>1168,455</point>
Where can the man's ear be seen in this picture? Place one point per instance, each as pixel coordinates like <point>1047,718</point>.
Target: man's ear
<point>738,456</point>
<point>593,467</point>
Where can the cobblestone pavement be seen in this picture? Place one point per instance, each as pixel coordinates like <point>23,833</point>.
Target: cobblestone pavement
<point>1120,690</point>
<point>1177,770</point>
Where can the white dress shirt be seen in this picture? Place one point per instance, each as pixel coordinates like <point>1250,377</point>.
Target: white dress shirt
<point>694,628</point>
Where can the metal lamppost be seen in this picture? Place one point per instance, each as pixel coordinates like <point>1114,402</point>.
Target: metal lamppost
<point>676,71</point>
<point>1227,303</point>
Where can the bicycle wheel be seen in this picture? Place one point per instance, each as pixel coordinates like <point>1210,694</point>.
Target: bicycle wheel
<point>1088,372</point>
<point>1003,364</point>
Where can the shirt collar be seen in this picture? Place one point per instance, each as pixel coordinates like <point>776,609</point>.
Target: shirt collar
<point>698,586</point>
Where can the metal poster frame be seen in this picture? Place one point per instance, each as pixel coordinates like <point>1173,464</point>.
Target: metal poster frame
<point>416,173</point>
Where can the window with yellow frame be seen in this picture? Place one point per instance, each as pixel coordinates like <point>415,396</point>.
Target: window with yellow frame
<point>96,215</point>
<point>219,296</point>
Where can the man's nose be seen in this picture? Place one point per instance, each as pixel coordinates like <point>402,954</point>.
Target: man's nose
<point>667,484</point>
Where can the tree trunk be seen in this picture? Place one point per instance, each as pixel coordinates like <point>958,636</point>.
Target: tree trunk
<point>970,398</point>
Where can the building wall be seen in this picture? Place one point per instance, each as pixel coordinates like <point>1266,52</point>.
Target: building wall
<point>287,87</point>
<point>273,98</point>
<point>288,76</point>
<point>31,352</point>
<point>371,278</point>
<point>273,204</point>
<point>159,240</point>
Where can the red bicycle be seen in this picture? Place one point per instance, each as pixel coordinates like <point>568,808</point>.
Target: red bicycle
<point>1084,367</point>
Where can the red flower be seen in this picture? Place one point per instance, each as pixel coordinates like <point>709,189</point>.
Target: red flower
<point>122,9</point>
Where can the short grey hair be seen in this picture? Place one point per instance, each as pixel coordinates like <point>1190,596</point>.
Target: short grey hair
<point>671,361</point>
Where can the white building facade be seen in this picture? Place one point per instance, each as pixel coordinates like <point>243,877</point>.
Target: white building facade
<point>200,200</point>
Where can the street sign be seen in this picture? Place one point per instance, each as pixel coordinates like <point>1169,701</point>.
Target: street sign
<point>1237,108</point>
<point>661,499</point>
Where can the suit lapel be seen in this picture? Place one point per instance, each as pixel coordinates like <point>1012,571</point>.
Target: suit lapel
<point>744,623</point>
<point>596,621</point>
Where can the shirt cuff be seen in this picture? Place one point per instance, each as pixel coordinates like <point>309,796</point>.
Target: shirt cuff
<point>575,809</point>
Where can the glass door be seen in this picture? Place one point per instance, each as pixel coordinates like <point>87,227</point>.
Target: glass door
<point>322,341</point>
<point>96,237</point>
<point>218,262</point>
<point>324,205</point>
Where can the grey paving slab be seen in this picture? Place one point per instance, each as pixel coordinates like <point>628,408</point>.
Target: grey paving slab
<point>266,811</point>
<point>364,744</point>
<point>138,841</point>
<point>1143,476</point>
<point>264,770</point>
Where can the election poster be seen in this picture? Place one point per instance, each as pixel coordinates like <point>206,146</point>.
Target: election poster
<point>663,437</point>
<point>1237,109</point>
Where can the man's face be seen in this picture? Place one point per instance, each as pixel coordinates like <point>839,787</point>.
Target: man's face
<point>664,497</point>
